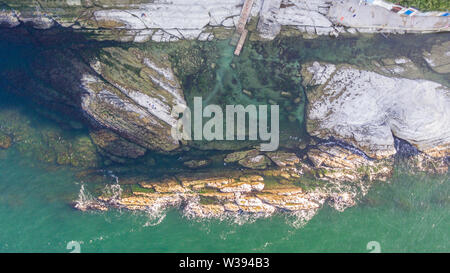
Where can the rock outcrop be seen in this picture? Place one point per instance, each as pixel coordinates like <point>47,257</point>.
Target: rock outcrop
<point>133,94</point>
<point>251,159</point>
<point>125,96</point>
<point>289,186</point>
<point>332,162</point>
<point>367,110</point>
<point>208,195</point>
<point>5,141</point>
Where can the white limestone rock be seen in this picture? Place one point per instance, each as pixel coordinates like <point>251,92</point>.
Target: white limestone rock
<point>368,109</point>
<point>9,18</point>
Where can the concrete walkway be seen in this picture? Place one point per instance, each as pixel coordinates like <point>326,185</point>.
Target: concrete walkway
<point>352,13</point>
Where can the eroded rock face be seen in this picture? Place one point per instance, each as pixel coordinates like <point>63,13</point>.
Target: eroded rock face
<point>284,187</point>
<point>217,196</point>
<point>135,103</point>
<point>5,141</point>
<point>367,110</point>
<point>114,145</point>
<point>167,21</point>
<point>337,163</point>
<point>135,20</point>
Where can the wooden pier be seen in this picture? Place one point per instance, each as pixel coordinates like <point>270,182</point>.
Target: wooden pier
<point>245,13</point>
<point>240,29</point>
<point>241,42</point>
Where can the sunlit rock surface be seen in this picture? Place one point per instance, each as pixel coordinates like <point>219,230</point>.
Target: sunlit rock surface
<point>209,195</point>
<point>135,103</point>
<point>367,110</point>
<point>337,163</point>
<point>166,21</point>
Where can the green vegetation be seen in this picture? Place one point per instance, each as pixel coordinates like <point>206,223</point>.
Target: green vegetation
<point>139,188</point>
<point>208,200</point>
<point>426,5</point>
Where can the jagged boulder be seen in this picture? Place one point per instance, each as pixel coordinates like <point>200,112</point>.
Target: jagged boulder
<point>5,141</point>
<point>114,145</point>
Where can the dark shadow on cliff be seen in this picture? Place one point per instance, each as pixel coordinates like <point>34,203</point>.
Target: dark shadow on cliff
<point>45,66</point>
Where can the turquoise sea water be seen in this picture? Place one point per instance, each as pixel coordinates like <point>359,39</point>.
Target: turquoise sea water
<point>408,214</point>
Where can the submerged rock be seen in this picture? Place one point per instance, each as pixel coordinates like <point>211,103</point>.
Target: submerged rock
<point>236,156</point>
<point>115,145</point>
<point>283,159</point>
<point>251,159</point>
<point>45,142</point>
<point>439,57</point>
<point>425,163</point>
<point>5,141</point>
<point>284,188</point>
<point>255,162</point>
<point>203,20</point>
<point>367,110</point>
<point>195,164</point>
<point>397,67</point>
<point>124,96</point>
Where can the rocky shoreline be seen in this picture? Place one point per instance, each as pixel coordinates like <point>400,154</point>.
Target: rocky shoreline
<point>262,193</point>
<point>162,21</point>
<point>291,185</point>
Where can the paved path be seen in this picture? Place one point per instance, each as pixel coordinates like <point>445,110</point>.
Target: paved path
<point>351,13</point>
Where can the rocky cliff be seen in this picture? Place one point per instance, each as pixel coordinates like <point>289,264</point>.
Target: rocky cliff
<point>124,95</point>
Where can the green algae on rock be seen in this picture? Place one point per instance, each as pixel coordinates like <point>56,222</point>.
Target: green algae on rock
<point>134,96</point>
<point>5,141</point>
<point>47,142</point>
<point>114,145</point>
